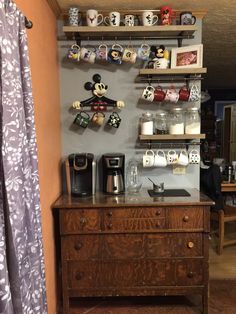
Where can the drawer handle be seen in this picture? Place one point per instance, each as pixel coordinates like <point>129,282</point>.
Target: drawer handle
<point>186,218</point>
<point>83,221</point>
<point>158,224</point>
<point>190,274</point>
<point>79,276</point>
<point>78,246</point>
<point>109,214</point>
<point>158,212</point>
<point>190,244</point>
<point>109,226</point>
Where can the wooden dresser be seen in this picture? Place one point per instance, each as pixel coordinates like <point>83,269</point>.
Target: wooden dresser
<point>134,245</point>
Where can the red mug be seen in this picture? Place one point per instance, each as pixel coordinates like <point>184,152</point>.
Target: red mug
<point>166,15</point>
<point>159,94</point>
<point>184,93</point>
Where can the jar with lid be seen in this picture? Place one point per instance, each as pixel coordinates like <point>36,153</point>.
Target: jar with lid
<point>176,121</point>
<point>147,123</point>
<point>161,126</point>
<point>133,180</point>
<point>192,121</point>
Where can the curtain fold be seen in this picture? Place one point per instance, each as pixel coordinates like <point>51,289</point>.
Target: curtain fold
<point>22,270</point>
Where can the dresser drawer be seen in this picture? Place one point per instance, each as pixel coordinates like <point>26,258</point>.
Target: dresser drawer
<point>174,245</point>
<point>189,272</point>
<point>185,218</point>
<point>79,221</point>
<point>81,247</point>
<point>135,212</point>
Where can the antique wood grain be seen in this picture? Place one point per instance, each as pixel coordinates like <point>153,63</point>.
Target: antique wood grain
<point>136,212</point>
<point>185,218</point>
<point>189,272</point>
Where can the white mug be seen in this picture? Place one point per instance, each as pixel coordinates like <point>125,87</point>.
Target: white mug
<point>113,19</point>
<point>129,55</point>
<point>148,93</point>
<point>183,158</point>
<point>160,159</point>
<point>195,93</point>
<point>172,157</point>
<point>148,159</point>
<point>144,52</point>
<point>149,19</point>
<point>87,55</point>
<point>101,52</point>
<point>194,157</point>
<point>129,20</point>
<point>92,17</point>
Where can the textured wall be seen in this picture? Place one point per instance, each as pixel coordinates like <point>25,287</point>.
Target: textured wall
<point>45,79</point>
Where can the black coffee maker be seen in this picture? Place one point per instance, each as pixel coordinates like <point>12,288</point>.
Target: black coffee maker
<point>113,165</point>
<point>81,174</point>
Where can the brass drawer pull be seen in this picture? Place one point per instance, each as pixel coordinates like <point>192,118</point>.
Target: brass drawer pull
<point>190,274</point>
<point>79,276</point>
<point>158,224</point>
<point>78,246</point>
<point>190,244</point>
<point>109,226</point>
<point>186,218</point>
<point>158,212</point>
<point>83,221</point>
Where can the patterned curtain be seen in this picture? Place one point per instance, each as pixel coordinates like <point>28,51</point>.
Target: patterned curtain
<point>22,273</point>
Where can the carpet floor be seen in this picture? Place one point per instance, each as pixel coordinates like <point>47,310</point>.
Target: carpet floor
<point>222,300</point>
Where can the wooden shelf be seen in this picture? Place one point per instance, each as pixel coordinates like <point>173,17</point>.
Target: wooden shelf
<point>169,137</point>
<point>165,31</point>
<point>173,71</point>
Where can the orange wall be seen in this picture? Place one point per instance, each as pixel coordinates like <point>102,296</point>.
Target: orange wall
<point>45,78</point>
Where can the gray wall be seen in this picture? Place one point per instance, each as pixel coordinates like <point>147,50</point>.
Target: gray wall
<point>121,86</point>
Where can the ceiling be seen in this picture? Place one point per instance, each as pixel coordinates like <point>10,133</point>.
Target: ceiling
<point>219,31</point>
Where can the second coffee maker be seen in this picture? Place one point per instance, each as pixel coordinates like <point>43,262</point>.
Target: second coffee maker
<point>113,173</point>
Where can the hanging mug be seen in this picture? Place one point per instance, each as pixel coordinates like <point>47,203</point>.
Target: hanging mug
<point>159,94</point>
<point>87,55</point>
<point>82,119</point>
<point>183,158</point>
<point>148,93</point>
<point>98,118</point>
<point>184,93</point>
<point>144,52</point>
<point>74,53</point>
<point>148,158</point>
<point>172,157</point>
<point>115,54</point>
<point>114,120</point>
<point>101,52</point>
<point>194,157</point>
<point>129,55</point>
<point>160,159</point>
<point>195,93</point>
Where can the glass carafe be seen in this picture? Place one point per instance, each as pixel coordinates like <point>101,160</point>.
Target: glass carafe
<point>133,180</point>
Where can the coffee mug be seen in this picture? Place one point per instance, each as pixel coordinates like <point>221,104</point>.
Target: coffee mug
<point>148,93</point>
<point>115,54</point>
<point>114,120</point>
<point>195,93</point>
<point>82,119</point>
<point>183,158</point>
<point>184,93</point>
<point>149,19</point>
<point>172,157</point>
<point>160,159</point>
<point>172,95</point>
<point>159,94</point>
<point>74,53</point>
<point>148,158</point>
<point>129,20</point>
<point>87,55</point>
<point>166,15</point>
<point>144,52</point>
<point>101,52</point>
<point>113,19</point>
<point>187,18</point>
<point>194,157</point>
<point>98,118</point>
<point>129,55</point>
<point>92,18</point>
<point>74,16</point>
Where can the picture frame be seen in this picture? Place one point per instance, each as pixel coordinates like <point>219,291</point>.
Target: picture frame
<point>187,57</point>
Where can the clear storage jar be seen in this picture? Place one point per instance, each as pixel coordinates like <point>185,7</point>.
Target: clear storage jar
<point>161,125</point>
<point>176,121</point>
<point>192,121</point>
<point>147,123</point>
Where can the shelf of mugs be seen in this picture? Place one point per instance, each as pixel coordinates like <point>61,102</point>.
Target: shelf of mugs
<point>169,71</point>
<point>169,137</point>
<point>159,31</point>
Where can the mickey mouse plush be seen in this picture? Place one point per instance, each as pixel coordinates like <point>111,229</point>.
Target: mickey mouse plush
<point>98,101</point>
<point>160,57</point>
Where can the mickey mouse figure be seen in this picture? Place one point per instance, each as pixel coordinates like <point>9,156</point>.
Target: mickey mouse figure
<point>160,57</point>
<point>98,101</point>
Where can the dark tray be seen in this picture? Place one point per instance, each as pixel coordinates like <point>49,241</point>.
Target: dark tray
<point>169,192</point>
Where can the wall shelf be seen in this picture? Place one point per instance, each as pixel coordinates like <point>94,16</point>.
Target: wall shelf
<point>185,71</point>
<point>170,137</point>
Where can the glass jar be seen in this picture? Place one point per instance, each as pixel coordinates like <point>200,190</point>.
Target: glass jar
<point>161,123</point>
<point>192,121</point>
<point>176,121</point>
<point>133,180</point>
<point>147,123</point>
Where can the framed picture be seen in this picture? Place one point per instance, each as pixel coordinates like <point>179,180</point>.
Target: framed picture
<point>187,57</point>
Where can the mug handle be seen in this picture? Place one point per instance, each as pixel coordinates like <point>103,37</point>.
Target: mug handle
<point>171,152</point>
<point>75,46</point>
<point>105,20</point>
<point>193,20</point>
<point>151,87</point>
<point>155,19</point>
<point>83,113</point>
<point>102,45</point>
<point>117,45</point>
<point>145,46</point>
<point>151,151</point>
<point>162,153</point>
<point>101,16</point>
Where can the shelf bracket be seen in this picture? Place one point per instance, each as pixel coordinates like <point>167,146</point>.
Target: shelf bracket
<point>180,42</point>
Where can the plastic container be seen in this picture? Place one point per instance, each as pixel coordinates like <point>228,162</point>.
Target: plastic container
<point>147,123</point>
<point>133,180</point>
<point>192,121</point>
<point>176,121</point>
<point>161,125</point>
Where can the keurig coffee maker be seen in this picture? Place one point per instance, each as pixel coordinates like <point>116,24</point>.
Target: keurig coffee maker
<point>113,173</point>
<point>81,174</point>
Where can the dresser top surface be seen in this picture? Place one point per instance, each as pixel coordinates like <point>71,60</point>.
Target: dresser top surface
<point>128,200</point>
